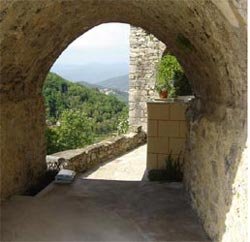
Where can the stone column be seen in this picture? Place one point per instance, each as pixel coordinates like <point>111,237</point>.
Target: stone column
<point>145,52</point>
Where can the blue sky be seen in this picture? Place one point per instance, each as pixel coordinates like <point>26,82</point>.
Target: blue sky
<point>105,43</point>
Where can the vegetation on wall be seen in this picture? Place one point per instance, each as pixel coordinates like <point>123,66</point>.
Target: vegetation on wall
<point>171,77</point>
<point>78,116</point>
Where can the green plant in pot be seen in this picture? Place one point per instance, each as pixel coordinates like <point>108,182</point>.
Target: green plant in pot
<point>166,70</point>
<point>163,89</point>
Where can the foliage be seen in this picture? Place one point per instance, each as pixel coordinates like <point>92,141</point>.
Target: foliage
<point>123,124</point>
<point>181,84</point>
<point>165,73</point>
<point>51,140</point>
<point>157,175</point>
<point>171,77</point>
<point>172,172</point>
<point>84,114</point>
<point>75,130</point>
<point>173,169</point>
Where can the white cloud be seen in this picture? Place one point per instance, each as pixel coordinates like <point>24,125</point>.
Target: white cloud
<point>105,43</point>
<point>103,36</point>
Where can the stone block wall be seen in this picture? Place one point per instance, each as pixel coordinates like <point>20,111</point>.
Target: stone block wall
<point>167,129</point>
<point>145,52</point>
<point>81,160</point>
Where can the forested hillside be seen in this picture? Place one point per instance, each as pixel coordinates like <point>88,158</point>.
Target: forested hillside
<point>121,95</point>
<point>77,115</point>
<point>119,83</point>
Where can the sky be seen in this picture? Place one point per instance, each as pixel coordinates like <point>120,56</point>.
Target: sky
<point>105,43</point>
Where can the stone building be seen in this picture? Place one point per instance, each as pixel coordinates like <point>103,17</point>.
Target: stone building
<point>145,52</point>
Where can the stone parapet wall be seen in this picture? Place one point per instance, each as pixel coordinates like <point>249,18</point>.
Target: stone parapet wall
<point>145,52</point>
<point>81,160</point>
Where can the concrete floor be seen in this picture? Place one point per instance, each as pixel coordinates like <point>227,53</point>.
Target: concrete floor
<point>101,210</point>
<point>104,210</point>
<point>128,167</point>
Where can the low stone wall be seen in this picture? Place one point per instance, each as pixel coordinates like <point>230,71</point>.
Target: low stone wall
<point>82,159</point>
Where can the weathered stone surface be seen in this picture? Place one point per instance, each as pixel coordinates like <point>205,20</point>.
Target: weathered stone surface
<point>145,52</point>
<point>209,40</point>
<point>22,146</point>
<point>215,170</point>
<point>81,160</point>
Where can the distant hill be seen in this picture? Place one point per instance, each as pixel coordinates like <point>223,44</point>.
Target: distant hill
<point>90,85</point>
<point>91,72</point>
<point>119,83</point>
<point>123,96</point>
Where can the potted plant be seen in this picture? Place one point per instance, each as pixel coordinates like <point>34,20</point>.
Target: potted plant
<point>165,74</point>
<point>163,89</point>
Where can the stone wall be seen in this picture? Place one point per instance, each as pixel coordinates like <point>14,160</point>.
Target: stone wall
<point>29,165</point>
<point>145,52</point>
<point>215,169</point>
<point>81,160</point>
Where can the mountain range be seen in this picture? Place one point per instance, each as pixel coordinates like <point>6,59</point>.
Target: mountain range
<point>118,86</point>
<point>118,82</point>
<point>110,78</point>
<point>91,72</point>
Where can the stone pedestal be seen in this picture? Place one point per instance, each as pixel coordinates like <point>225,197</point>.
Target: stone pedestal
<point>167,129</point>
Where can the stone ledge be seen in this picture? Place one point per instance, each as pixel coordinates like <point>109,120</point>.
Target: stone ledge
<point>82,159</point>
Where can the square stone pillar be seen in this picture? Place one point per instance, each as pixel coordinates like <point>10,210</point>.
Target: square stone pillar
<point>167,128</point>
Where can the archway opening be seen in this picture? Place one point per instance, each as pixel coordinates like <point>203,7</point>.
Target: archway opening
<point>79,114</point>
<point>97,65</point>
<point>211,47</point>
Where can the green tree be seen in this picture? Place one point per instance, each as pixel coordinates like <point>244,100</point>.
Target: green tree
<point>52,140</point>
<point>75,130</point>
<point>123,124</point>
<point>85,114</point>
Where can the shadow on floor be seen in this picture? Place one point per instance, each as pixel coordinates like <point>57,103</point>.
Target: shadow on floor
<point>102,210</point>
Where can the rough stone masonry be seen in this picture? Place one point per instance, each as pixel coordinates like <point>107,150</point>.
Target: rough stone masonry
<point>209,39</point>
<point>145,53</point>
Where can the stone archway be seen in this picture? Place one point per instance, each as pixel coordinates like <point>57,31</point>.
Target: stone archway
<point>209,39</point>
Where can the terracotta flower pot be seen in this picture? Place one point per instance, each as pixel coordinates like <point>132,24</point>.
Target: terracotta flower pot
<point>163,94</point>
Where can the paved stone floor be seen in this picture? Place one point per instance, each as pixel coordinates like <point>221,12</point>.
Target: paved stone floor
<point>129,167</point>
<point>102,210</point>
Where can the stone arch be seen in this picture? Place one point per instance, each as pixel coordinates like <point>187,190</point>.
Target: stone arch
<point>209,39</point>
